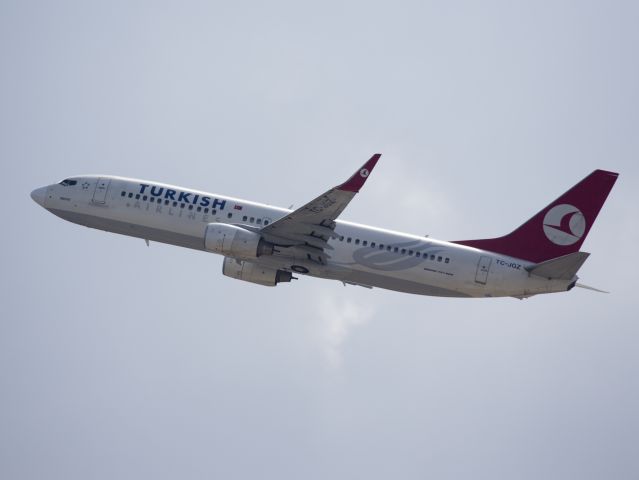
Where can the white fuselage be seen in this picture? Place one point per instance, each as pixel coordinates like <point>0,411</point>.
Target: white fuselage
<point>360,254</point>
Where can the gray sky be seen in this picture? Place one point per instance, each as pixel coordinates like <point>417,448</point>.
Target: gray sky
<point>122,361</point>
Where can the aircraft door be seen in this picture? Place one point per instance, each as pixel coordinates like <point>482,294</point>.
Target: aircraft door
<point>101,189</point>
<point>483,267</point>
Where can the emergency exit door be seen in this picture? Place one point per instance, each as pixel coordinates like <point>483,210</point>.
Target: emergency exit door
<point>101,188</point>
<point>483,267</point>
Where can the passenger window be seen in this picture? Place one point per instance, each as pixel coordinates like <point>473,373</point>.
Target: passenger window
<point>372,244</point>
<point>199,209</point>
<point>206,210</point>
<point>259,221</point>
<point>348,240</point>
<point>357,241</point>
<point>432,257</point>
<point>410,253</point>
<point>252,219</point>
<point>265,222</point>
<point>229,215</point>
<point>152,200</point>
<point>166,202</point>
<point>389,248</point>
<point>395,249</point>
<point>123,194</point>
<point>213,211</point>
<point>182,205</point>
<point>190,207</point>
<point>341,238</point>
<point>417,254</point>
<point>130,195</point>
<point>137,196</point>
<point>175,204</point>
<point>244,218</point>
<point>447,260</point>
<point>439,259</point>
<point>403,251</point>
<point>144,198</point>
<point>364,243</point>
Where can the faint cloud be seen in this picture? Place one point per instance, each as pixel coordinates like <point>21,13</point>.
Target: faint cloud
<point>339,316</point>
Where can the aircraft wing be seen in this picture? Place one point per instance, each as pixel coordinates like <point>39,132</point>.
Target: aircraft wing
<point>311,226</point>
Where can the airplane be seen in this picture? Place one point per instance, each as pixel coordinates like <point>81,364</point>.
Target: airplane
<point>268,245</point>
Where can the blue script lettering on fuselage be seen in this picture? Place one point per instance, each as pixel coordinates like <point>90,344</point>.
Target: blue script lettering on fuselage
<point>183,197</point>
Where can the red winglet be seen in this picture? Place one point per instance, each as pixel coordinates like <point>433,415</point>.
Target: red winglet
<point>356,182</point>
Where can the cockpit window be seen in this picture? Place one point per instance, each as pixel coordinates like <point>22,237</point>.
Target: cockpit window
<point>68,182</point>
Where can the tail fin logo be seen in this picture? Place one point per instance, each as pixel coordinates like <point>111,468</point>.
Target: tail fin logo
<point>564,224</point>
<point>364,172</point>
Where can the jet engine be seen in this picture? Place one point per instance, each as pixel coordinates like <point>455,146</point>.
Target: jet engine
<point>234,241</point>
<point>254,273</point>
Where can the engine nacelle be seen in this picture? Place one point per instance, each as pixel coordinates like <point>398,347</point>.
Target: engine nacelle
<point>234,241</point>
<point>254,273</point>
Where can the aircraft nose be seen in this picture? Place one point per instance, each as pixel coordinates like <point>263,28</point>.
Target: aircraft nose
<point>39,195</point>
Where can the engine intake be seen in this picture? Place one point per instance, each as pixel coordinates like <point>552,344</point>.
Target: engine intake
<point>254,273</point>
<point>234,241</point>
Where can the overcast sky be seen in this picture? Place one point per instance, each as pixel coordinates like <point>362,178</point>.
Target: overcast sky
<point>122,361</point>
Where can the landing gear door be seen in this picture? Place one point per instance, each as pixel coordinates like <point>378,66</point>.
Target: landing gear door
<point>101,189</point>
<point>483,267</point>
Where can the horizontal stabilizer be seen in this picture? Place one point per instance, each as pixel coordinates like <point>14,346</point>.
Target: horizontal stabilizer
<point>587,287</point>
<point>560,268</point>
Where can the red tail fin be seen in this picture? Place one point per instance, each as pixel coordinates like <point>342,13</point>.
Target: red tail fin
<point>558,229</point>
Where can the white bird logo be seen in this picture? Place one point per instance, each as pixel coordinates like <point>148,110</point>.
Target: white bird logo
<point>564,224</point>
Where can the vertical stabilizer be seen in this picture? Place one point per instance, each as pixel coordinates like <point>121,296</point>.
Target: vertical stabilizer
<point>560,228</point>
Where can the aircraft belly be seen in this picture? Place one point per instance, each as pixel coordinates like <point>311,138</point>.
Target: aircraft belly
<point>155,233</point>
<point>396,283</point>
